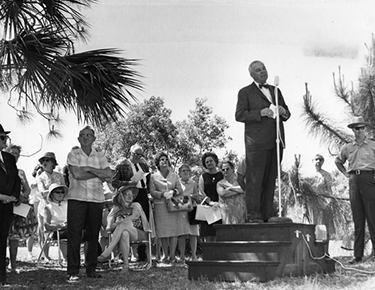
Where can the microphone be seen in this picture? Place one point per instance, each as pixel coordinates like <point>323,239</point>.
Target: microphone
<point>276,82</point>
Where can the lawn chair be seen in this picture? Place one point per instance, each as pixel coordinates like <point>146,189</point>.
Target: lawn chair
<point>48,240</point>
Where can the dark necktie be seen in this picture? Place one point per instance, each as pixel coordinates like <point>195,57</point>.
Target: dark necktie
<point>2,165</point>
<point>263,86</point>
<point>142,181</point>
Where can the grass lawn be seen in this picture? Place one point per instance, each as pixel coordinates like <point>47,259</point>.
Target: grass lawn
<point>51,276</point>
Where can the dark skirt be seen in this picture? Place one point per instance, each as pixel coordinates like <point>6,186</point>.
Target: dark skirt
<point>208,230</point>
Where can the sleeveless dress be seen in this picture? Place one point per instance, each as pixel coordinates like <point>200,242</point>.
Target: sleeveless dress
<point>210,181</point>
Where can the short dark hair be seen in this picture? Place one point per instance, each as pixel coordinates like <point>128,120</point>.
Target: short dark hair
<point>209,154</point>
<point>160,155</point>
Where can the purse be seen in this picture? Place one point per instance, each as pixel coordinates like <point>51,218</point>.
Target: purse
<point>179,203</point>
<point>191,216</point>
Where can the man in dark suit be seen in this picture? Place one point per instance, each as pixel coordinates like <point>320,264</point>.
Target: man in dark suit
<point>256,108</point>
<point>10,187</point>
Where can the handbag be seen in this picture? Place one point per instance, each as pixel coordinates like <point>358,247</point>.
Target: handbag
<point>179,203</point>
<point>191,216</point>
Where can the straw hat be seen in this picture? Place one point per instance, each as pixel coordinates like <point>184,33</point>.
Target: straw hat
<point>48,155</point>
<point>122,189</point>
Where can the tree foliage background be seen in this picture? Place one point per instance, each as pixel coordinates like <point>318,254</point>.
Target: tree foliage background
<point>40,70</point>
<point>150,125</point>
<point>359,100</point>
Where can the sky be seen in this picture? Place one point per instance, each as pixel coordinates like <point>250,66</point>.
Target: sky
<point>201,49</point>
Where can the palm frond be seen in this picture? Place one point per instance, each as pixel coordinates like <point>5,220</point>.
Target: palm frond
<point>28,15</point>
<point>97,85</point>
<point>320,126</point>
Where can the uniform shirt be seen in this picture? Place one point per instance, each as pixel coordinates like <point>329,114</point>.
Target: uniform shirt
<point>90,190</point>
<point>359,156</point>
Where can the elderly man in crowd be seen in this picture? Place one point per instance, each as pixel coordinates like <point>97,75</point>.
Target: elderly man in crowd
<point>360,155</point>
<point>88,169</point>
<point>10,188</point>
<point>135,171</point>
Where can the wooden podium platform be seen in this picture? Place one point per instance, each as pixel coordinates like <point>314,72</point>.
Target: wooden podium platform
<point>261,252</point>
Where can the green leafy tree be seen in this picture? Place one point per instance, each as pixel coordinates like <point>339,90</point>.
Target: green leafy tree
<point>358,102</point>
<point>203,130</point>
<point>149,124</point>
<point>40,69</point>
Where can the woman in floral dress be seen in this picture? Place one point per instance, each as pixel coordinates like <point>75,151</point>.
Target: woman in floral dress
<point>231,196</point>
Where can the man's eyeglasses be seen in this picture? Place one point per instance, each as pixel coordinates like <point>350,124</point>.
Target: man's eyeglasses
<point>4,138</point>
<point>359,128</point>
<point>138,154</point>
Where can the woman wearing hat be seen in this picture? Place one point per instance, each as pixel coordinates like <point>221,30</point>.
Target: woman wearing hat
<point>55,213</point>
<point>127,222</point>
<point>45,179</point>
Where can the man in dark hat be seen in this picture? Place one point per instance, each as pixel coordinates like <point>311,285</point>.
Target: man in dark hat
<point>10,187</point>
<point>360,170</point>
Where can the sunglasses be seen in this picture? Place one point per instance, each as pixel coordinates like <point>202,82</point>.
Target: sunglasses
<point>318,159</point>
<point>359,128</point>
<point>4,138</point>
<point>225,169</point>
<point>59,192</point>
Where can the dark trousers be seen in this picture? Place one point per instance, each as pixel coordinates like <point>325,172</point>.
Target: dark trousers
<point>261,173</point>
<point>6,217</point>
<point>142,199</point>
<point>83,216</point>
<point>362,201</point>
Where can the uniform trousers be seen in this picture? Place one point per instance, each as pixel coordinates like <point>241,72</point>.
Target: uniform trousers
<point>362,201</point>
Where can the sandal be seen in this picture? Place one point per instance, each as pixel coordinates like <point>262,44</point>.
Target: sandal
<point>102,259</point>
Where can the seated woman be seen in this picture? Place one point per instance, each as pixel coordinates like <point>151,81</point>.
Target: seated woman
<point>231,196</point>
<point>127,222</point>
<point>55,214</point>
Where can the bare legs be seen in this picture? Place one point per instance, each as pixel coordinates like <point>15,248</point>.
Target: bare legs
<point>172,243</point>
<point>125,225</point>
<point>193,246</point>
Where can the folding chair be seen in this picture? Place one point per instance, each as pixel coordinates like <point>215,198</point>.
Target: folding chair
<point>147,242</point>
<point>48,240</point>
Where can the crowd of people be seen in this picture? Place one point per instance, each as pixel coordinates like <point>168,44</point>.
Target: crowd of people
<point>89,201</point>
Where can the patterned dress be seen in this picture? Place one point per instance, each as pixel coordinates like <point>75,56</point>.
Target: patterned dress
<point>233,210</point>
<point>22,228</point>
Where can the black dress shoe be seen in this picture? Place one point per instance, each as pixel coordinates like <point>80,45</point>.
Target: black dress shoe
<point>93,275</point>
<point>355,260</point>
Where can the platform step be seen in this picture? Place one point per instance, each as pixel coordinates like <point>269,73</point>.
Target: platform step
<point>231,271</point>
<point>244,250</point>
<point>260,231</point>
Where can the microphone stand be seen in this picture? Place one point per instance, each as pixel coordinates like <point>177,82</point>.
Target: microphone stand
<point>278,143</point>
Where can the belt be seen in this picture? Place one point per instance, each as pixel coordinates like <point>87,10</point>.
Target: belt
<point>357,172</point>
